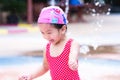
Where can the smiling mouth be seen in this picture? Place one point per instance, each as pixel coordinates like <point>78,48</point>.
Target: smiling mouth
<point>51,40</point>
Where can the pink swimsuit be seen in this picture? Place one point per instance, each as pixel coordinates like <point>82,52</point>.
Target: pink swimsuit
<point>59,68</point>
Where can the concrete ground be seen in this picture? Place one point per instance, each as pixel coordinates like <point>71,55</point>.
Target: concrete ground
<point>100,34</point>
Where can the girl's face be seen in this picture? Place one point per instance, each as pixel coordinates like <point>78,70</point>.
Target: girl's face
<point>52,34</point>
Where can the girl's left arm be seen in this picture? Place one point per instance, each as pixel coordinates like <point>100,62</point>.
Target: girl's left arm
<point>73,56</point>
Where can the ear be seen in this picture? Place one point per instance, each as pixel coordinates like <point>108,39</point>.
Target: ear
<point>64,29</point>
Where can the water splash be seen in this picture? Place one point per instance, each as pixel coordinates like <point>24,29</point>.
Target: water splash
<point>52,2</point>
<point>98,9</point>
<point>95,46</point>
<point>84,49</point>
<point>67,7</point>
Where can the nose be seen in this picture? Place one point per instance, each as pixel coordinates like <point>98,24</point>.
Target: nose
<point>46,37</point>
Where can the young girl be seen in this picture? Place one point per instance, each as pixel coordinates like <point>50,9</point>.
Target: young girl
<point>61,53</point>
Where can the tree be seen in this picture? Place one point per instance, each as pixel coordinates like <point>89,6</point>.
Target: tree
<point>18,6</point>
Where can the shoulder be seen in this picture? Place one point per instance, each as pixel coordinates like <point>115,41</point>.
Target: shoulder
<point>75,46</point>
<point>45,48</point>
<point>45,63</point>
<point>74,50</point>
<point>47,45</point>
<point>75,43</point>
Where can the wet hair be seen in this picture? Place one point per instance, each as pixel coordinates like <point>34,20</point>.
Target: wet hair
<point>59,26</point>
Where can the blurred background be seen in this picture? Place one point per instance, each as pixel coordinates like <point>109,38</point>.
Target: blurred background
<point>95,24</point>
<point>27,11</point>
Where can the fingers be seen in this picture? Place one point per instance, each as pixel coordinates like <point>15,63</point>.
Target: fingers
<point>24,78</point>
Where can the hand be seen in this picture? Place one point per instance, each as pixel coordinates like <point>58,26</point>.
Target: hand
<point>73,65</point>
<point>25,77</point>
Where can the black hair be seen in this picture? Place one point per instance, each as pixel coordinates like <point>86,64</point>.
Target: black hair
<point>58,26</point>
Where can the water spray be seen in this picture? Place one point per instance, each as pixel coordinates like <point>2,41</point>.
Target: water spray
<point>66,7</point>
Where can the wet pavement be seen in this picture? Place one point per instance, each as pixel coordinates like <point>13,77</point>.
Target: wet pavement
<point>89,68</point>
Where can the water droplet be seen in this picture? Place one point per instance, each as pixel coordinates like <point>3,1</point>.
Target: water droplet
<point>84,49</point>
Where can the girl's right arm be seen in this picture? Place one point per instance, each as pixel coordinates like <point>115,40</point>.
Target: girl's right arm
<point>44,68</point>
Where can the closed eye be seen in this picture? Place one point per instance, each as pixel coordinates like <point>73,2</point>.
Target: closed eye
<point>42,32</point>
<point>49,33</point>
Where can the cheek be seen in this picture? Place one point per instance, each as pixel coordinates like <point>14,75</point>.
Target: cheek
<point>55,36</point>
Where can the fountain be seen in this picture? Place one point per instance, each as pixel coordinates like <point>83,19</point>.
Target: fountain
<point>52,2</point>
<point>98,11</point>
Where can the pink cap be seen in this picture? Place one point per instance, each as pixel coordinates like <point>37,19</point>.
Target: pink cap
<point>52,14</point>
